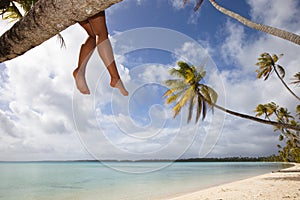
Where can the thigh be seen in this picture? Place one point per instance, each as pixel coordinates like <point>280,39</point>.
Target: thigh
<point>98,24</point>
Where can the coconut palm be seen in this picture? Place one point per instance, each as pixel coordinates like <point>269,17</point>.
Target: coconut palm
<point>267,64</point>
<point>260,27</point>
<point>291,150</point>
<point>188,89</point>
<point>267,110</point>
<point>46,19</point>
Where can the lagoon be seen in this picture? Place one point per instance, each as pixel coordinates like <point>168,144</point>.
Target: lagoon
<point>119,180</point>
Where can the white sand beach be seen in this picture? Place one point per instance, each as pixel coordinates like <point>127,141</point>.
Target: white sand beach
<point>272,186</point>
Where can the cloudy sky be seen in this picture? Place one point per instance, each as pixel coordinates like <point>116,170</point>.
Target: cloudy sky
<point>44,117</point>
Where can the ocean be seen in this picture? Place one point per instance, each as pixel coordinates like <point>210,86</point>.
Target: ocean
<point>118,180</point>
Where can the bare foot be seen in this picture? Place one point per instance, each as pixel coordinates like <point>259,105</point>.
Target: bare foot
<point>117,83</point>
<point>81,85</point>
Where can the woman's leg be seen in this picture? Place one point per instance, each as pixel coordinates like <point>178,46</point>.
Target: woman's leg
<point>98,24</point>
<point>86,51</point>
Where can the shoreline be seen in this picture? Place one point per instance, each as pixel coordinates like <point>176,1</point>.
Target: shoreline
<point>281,184</point>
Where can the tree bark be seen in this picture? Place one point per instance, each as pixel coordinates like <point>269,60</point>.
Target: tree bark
<point>260,27</point>
<point>263,121</point>
<point>285,85</point>
<point>46,19</point>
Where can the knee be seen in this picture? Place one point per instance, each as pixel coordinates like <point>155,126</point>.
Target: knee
<point>100,37</point>
<point>90,42</point>
<point>92,38</point>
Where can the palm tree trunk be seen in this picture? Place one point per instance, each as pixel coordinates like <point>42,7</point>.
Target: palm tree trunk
<point>273,123</point>
<point>264,28</point>
<point>286,86</point>
<point>46,19</point>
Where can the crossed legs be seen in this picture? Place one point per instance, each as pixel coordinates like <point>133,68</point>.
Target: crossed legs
<point>98,37</point>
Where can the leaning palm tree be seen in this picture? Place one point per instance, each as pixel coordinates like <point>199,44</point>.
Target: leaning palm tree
<point>260,27</point>
<point>44,20</point>
<point>267,64</point>
<point>189,88</point>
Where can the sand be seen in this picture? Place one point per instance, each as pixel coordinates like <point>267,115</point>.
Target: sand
<point>284,184</point>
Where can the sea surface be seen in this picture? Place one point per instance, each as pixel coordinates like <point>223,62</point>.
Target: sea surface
<point>119,180</point>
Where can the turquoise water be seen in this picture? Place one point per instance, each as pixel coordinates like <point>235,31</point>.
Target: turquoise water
<point>93,180</point>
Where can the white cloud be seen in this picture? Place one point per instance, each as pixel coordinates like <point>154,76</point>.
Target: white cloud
<point>280,14</point>
<point>37,114</point>
<point>177,4</point>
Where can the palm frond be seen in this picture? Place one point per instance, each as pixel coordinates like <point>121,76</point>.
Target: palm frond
<point>4,4</point>
<point>173,82</point>
<point>173,96</point>
<point>275,58</point>
<point>204,109</point>
<point>177,73</point>
<point>296,79</point>
<point>209,95</point>
<point>281,71</point>
<point>199,108</point>
<point>27,4</point>
<point>198,5</point>
<point>12,13</point>
<point>200,76</point>
<point>175,89</point>
<point>191,108</point>
<point>188,94</point>
<point>61,40</point>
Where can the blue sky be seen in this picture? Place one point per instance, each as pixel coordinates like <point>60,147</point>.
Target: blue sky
<point>43,117</point>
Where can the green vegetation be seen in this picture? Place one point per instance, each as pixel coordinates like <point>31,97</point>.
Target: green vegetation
<point>291,151</point>
<point>189,89</point>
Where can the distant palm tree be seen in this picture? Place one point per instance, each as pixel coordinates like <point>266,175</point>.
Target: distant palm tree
<point>267,64</point>
<point>260,27</point>
<point>267,110</point>
<point>296,79</point>
<point>188,89</point>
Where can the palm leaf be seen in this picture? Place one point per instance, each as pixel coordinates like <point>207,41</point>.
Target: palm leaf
<point>200,76</point>
<point>177,109</point>
<point>198,5</point>
<point>176,72</point>
<point>171,99</point>
<point>173,96</point>
<point>12,13</point>
<point>191,107</point>
<point>173,82</point>
<point>188,94</point>
<point>209,95</point>
<point>281,71</point>
<point>199,107</point>
<point>61,40</point>
<point>204,109</point>
<point>183,65</point>
<point>296,78</point>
